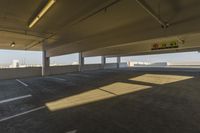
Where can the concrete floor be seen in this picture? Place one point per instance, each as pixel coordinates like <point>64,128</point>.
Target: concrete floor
<point>103,101</point>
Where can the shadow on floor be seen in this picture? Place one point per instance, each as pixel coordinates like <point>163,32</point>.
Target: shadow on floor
<point>113,101</point>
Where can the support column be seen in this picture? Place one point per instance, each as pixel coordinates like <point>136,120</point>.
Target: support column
<point>118,61</point>
<point>103,61</point>
<point>45,62</point>
<point>81,61</point>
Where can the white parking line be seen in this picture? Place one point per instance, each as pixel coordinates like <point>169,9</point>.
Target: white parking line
<point>21,82</point>
<point>15,98</point>
<point>20,114</point>
<point>73,131</point>
<point>57,78</point>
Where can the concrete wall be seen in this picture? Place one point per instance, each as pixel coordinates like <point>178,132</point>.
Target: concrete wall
<point>10,73</point>
<point>123,65</point>
<point>62,69</point>
<point>167,69</point>
<point>110,65</point>
<point>91,67</point>
<point>99,66</point>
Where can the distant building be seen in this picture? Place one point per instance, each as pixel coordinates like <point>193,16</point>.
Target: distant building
<point>75,63</point>
<point>15,64</point>
<point>134,63</point>
<point>160,64</point>
<point>156,64</point>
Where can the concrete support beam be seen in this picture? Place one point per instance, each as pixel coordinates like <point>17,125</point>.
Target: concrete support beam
<point>45,62</point>
<point>103,61</point>
<point>118,61</point>
<point>81,61</point>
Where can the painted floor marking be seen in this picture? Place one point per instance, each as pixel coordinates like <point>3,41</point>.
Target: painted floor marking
<point>21,82</point>
<point>73,131</point>
<point>57,78</point>
<point>15,98</point>
<point>23,113</point>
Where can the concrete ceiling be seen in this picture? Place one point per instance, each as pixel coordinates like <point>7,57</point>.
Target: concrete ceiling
<point>98,27</point>
<point>187,42</point>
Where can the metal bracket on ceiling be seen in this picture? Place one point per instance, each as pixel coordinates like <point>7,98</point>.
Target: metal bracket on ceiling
<point>151,12</point>
<point>22,32</point>
<point>105,8</point>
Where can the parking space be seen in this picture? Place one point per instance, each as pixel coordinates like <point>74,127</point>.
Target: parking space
<point>12,88</point>
<point>102,101</point>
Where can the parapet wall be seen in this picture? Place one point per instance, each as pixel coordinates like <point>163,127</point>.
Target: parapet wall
<point>91,67</point>
<point>110,65</point>
<point>53,70</point>
<point>10,73</point>
<point>13,73</point>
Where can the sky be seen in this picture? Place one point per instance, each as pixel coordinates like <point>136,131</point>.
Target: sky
<point>31,57</point>
<point>171,57</point>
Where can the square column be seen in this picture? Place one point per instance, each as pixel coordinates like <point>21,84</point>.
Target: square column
<point>118,61</point>
<point>45,62</point>
<point>81,61</point>
<point>103,61</point>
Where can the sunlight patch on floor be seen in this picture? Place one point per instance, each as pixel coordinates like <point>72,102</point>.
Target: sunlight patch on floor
<point>160,79</point>
<point>120,88</point>
<point>102,93</point>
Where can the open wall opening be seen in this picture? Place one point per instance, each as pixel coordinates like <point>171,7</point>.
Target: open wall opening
<point>93,60</point>
<point>111,60</point>
<point>69,59</point>
<point>20,59</point>
<point>182,59</point>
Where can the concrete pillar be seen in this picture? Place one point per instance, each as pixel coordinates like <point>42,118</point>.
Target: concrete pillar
<point>103,61</point>
<point>118,61</point>
<point>81,61</point>
<point>45,62</point>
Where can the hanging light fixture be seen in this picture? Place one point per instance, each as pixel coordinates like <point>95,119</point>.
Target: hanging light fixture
<point>12,44</point>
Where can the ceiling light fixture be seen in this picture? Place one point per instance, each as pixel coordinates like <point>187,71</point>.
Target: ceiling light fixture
<point>42,12</point>
<point>12,44</point>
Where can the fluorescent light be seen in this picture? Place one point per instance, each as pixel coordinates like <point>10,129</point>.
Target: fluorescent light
<point>33,22</point>
<point>42,12</point>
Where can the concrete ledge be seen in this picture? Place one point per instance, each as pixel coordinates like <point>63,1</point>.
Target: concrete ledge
<point>53,70</point>
<point>110,65</point>
<point>10,73</point>
<point>167,69</point>
<point>91,67</point>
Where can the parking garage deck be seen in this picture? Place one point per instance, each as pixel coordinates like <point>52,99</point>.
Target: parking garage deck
<point>103,101</point>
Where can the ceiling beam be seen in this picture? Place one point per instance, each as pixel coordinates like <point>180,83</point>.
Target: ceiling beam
<point>151,12</point>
